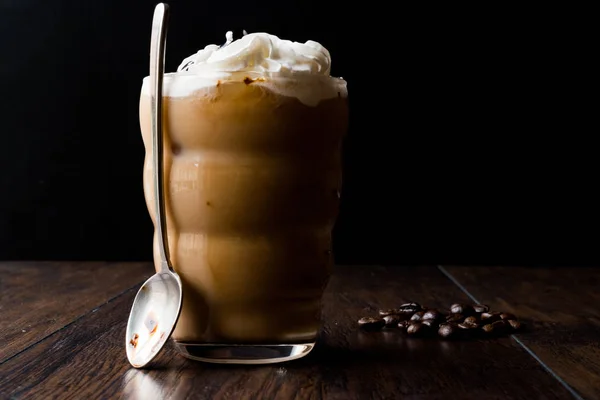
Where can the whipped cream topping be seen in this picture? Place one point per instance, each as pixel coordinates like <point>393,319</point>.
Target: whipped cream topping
<point>300,70</point>
<point>261,52</point>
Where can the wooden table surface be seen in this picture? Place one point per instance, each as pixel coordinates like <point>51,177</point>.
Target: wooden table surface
<point>62,337</point>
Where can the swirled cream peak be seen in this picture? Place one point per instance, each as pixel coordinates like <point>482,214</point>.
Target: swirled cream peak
<point>261,52</point>
<point>292,69</point>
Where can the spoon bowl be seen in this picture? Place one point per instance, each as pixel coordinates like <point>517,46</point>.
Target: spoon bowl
<point>153,316</point>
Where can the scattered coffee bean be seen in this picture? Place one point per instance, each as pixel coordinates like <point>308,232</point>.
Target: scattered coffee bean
<point>481,308</point>
<point>392,319</point>
<point>415,328</point>
<point>464,309</point>
<point>403,325</point>
<point>466,326</point>
<point>507,316</point>
<point>430,323</point>
<point>485,316</point>
<point>447,331</point>
<point>417,316</point>
<point>432,314</point>
<point>457,318</point>
<point>499,326</point>
<point>410,308</point>
<point>391,311</point>
<point>370,323</point>
<point>411,304</point>
<point>514,324</point>
<point>456,308</point>
<point>487,328</point>
<point>472,320</point>
<point>490,317</point>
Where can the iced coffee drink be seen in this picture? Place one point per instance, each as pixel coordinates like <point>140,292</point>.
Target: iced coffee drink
<point>253,131</point>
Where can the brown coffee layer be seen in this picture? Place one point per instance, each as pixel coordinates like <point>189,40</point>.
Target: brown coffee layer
<point>253,192</point>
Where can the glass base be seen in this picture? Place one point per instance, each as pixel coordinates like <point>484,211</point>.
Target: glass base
<point>243,353</point>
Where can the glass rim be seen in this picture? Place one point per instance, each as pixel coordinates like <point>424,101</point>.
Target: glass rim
<point>240,76</point>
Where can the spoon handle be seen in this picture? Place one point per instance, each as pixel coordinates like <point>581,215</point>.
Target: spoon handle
<point>157,66</point>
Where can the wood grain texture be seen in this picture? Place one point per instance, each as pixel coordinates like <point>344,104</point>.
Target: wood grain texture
<point>87,358</point>
<point>561,307</point>
<point>39,298</point>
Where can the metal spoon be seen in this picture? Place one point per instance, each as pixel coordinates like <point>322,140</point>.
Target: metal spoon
<point>157,304</point>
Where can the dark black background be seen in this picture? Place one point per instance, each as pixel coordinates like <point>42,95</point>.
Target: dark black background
<point>464,143</point>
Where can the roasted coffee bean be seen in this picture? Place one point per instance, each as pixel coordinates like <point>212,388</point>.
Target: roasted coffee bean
<point>370,323</point>
<point>395,311</point>
<point>456,308</point>
<point>430,323</point>
<point>403,325</point>
<point>447,331</point>
<point>487,328</point>
<point>514,324</point>
<point>411,305</point>
<point>507,316</point>
<point>499,326</point>
<point>496,327</point>
<point>466,326</point>
<point>415,328</point>
<point>432,314</point>
<point>481,308</point>
<point>471,321</point>
<point>464,309</point>
<point>488,317</point>
<point>391,311</point>
<point>392,320</point>
<point>417,316</point>
<point>410,308</point>
<point>485,316</point>
<point>457,318</point>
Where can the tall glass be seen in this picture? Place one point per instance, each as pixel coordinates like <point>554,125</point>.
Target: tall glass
<point>252,174</point>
